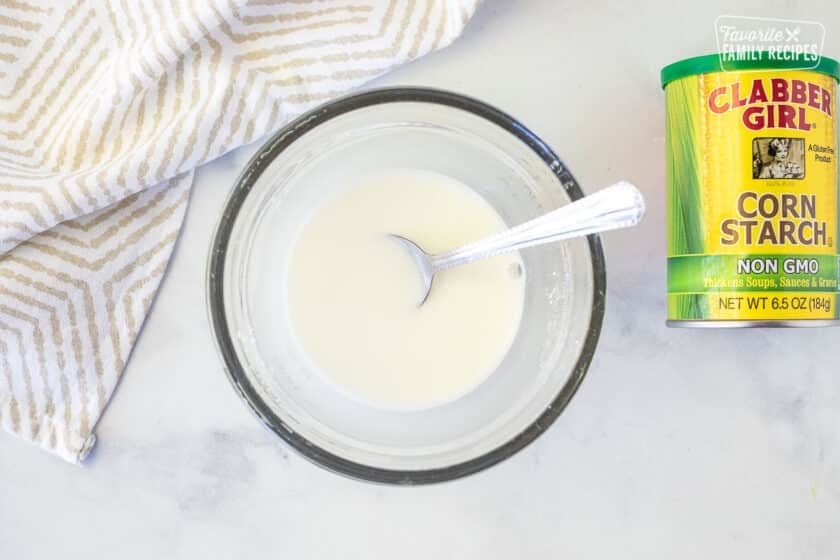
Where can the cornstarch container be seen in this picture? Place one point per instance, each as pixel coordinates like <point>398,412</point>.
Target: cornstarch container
<point>752,193</point>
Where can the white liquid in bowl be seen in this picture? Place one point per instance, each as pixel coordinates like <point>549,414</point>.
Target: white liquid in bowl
<point>353,293</point>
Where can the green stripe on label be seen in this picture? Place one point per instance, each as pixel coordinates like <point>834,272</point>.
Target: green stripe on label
<point>752,273</point>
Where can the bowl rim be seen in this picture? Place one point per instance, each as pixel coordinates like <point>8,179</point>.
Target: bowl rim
<point>215,286</point>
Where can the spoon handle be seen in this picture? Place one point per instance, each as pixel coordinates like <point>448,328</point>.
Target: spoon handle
<point>617,206</point>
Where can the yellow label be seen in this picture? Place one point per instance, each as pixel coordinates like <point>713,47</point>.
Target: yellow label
<point>763,149</point>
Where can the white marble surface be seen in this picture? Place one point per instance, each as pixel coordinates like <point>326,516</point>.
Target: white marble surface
<point>680,444</point>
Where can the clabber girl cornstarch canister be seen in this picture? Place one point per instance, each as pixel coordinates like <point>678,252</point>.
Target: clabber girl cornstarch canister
<point>752,193</point>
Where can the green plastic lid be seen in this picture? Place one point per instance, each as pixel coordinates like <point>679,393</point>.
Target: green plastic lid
<point>711,63</point>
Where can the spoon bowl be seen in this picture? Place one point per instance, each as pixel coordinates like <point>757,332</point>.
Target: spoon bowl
<point>423,262</point>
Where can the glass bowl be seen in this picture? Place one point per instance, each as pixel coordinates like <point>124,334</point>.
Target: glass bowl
<point>427,129</point>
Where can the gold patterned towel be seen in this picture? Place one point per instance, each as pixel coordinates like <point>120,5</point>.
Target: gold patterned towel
<point>106,107</point>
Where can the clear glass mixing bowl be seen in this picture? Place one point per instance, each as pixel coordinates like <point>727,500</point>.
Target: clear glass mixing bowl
<point>402,128</point>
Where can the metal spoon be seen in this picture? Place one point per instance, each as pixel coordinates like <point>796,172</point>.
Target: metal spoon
<point>617,206</point>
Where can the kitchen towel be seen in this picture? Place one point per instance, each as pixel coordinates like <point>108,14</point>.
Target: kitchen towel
<point>106,107</point>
